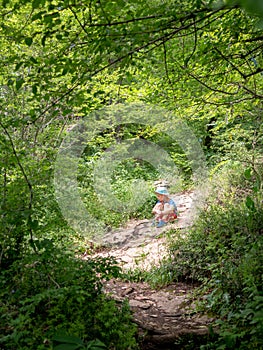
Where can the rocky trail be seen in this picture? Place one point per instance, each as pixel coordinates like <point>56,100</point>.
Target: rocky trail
<point>139,244</point>
<point>165,315</point>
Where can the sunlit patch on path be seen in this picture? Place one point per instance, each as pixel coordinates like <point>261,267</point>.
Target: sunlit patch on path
<point>139,244</point>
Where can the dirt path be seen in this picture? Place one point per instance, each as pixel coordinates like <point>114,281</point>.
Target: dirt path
<point>162,315</point>
<point>139,244</point>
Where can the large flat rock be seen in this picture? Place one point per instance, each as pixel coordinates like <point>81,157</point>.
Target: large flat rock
<point>162,315</point>
<point>139,244</point>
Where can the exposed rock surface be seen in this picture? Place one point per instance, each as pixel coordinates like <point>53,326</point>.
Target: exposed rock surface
<point>162,315</point>
<point>141,245</point>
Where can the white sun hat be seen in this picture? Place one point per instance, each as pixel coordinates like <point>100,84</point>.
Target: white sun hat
<point>162,190</point>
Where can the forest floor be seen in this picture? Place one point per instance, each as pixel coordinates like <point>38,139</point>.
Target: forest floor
<point>166,314</point>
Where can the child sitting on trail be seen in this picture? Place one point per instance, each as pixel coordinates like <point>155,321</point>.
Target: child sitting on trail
<point>165,209</point>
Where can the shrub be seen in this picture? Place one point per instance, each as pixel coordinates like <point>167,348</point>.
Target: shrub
<point>223,252</point>
<point>54,292</point>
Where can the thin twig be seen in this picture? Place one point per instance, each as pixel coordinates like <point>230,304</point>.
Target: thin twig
<point>78,20</point>
<point>195,45</point>
<point>231,64</point>
<point>154,43</point>
<point>110,24</point>
<point>257,71</point>
<point>210,87</point>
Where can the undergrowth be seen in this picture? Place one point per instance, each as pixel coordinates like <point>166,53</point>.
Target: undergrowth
<point>54,301</point>
<point>223,253</point>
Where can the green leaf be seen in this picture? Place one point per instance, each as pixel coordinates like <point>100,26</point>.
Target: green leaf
<point>33,224</point>
<point>66,111</point>
<point>32,113</point>
<point>32,59</point>
<point>37,16</point>
<point>247,173</point>
<point>96,345</point>
<point>259,24</point>
<point>59,37</point>
<point>253,6</point>
<point>67,347</point>
<point>37,3</point>
<point>5,3</point>
<point>250,203</point>
<point>18,65</point>
<point>48,18</point>
<point>19,83</point>
<point>43,40</point>
<point>34,89</point>
<point>64,338</point>
<point>28,41</point>
<point>64,72</point>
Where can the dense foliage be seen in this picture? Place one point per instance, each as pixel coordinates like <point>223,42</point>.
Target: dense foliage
<point>52,298</point>
<point>223,253</point>
<point>61,60</point>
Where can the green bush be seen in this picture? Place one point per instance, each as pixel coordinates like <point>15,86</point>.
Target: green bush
<point>54,292</point>
<point>223,253</point>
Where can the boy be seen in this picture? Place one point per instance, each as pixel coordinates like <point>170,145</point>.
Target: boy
<point>165,209</point>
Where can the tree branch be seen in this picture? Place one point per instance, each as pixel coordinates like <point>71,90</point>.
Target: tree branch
<point>226,103</point>
<point>110,24</point>
<point>254,94</point>
<point>232,65</point>
<point>258,38</point>
<point>209,87</point>
<point>195,45</point>
<point>150,45</point>
<point>77,19</point>
<point>257,71</point>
